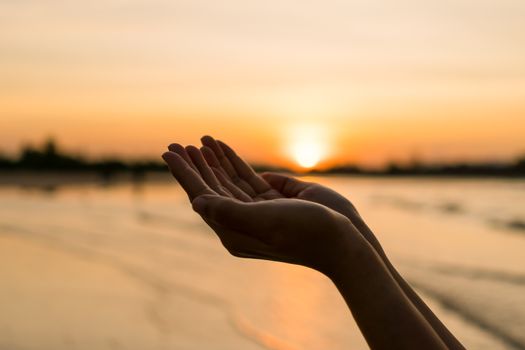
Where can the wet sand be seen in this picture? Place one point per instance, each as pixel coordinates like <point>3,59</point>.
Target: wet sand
<point>131,267</point>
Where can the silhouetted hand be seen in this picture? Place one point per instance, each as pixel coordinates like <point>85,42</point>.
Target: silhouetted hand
<point>254,220</point>
<point>239,177</point>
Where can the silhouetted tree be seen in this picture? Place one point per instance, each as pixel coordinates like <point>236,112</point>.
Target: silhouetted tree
<point>5,162</point>
<point>519,167</point>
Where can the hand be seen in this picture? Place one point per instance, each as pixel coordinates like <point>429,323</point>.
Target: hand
<point>252,219</point>
<point>240,178</point>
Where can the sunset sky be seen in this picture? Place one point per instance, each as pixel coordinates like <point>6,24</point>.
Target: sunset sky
<point>349,81</point>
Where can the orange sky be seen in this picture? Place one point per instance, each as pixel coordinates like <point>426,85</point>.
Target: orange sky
<point>370,81</point>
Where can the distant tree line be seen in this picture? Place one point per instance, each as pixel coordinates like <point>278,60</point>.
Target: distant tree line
<point>514,169</point>
<point>49,157</point>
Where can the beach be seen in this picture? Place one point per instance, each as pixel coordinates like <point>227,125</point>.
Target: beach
<point>128,265</point>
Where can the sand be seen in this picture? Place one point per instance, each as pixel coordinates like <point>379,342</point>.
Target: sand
<point>131,267</point>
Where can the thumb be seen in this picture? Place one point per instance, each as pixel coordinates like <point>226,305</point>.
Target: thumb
<point>252,218</point>
<point>287,185</point>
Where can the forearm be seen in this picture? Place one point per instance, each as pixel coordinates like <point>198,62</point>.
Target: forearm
<point>386,317</point>
<point>448,338</point>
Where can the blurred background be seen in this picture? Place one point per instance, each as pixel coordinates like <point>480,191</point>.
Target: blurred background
<point>415,110</point>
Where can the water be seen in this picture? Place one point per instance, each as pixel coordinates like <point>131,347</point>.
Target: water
<point>130,266</point>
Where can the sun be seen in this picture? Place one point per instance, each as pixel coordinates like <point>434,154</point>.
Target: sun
<point>307,154</point>
<point>307,144</point>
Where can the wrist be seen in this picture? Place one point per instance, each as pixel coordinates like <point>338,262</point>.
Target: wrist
<point>350,250</point>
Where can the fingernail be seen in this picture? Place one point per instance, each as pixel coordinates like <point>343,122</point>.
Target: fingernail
<point>199,204</point>
<point>165,156</point>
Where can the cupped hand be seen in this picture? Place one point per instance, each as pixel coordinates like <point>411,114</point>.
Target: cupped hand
<point>237,175</point>
<point>254,220</point>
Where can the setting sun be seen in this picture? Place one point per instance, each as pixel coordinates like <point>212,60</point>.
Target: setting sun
<point>307,154</point>
<point>307,144</point>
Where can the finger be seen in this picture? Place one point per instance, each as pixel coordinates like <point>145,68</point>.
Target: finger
<point>205,170</point>
<point>235,188</point>
<point>212,160</point>
<point>226,166</point>
<point>180,150</point>
<point>287,185</point>
<point>255,219</point>
<point>221,157</point>
<point>236,191</point>
<point>244,170</point>
<point>189,179</point>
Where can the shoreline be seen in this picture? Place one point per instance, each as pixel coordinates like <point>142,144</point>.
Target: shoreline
<point>52,179</point>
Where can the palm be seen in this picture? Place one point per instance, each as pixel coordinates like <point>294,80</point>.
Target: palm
<point>324,196</point>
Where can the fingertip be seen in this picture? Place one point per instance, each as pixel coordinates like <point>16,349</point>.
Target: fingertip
<point>172,157</point>
<point>199,204</point>
<point>175,147</point>
<point>191,149</point>
<point>174,161</point>
<point>165,156</point>
<point>207,138</point>
<point>195,154</point>
<point>204,203</point>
